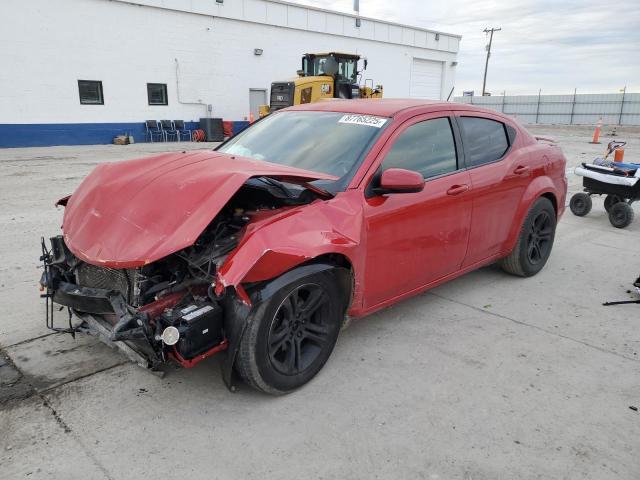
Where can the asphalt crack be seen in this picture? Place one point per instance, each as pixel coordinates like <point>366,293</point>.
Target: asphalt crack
<point>67,430</point>
<point>56,415</point>
<point>13,384</point>
<point>82,377</point>
<point>550,332</point>
<point>28,340</point>
<point>22,387</point>
<point>30,391</point>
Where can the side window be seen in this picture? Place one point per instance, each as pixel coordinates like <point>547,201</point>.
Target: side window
<point>485,140</point>
<point>427,147</point>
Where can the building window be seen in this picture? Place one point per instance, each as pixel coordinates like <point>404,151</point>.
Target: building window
<point>90,92</point>
<point>157,93</point>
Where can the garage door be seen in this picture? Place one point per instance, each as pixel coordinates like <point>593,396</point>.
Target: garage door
<point>426,79</point>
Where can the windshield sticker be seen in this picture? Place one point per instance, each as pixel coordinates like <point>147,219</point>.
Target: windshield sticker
<point>368,120</point>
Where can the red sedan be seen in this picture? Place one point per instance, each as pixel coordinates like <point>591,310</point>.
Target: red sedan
<point>314,214</point>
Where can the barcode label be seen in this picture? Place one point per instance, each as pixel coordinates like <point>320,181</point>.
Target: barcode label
<point>368,120</point>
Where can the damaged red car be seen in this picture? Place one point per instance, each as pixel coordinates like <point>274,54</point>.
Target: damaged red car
<point>315,214</point>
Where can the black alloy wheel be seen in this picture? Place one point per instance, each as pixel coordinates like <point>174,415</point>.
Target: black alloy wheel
<point>535,241</point>
<point>540,237</point>
<point>292,332</point>
<point>299,330</point>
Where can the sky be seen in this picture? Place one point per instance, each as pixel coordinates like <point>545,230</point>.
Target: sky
<point>553,45</point>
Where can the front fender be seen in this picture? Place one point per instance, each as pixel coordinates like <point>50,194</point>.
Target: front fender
<point>259,261</point>
<point>269,250</point>
<point>264,262</point>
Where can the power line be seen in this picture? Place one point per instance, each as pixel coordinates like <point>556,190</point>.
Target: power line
<point>486,64</point>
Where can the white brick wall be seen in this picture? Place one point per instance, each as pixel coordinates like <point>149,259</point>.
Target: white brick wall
<point>47,46</point>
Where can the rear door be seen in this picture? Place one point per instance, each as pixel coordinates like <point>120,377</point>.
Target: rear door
<point>499,174</point>
<point>413,239</point>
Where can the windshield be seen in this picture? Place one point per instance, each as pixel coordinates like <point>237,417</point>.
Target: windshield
<point>325,142</point>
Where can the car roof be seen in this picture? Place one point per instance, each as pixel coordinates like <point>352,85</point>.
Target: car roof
<point>385,107</point>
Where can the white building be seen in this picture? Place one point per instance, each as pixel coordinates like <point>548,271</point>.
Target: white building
<point>202,55</point>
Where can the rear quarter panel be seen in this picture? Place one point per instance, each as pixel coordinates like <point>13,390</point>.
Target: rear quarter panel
<point>548,178</point>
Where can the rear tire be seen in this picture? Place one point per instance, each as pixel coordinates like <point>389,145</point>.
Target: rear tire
<point>610,201</point>
<point>621,215</point>
<point>580,204</point>
<point>292,336</point>
<point>535,241</point>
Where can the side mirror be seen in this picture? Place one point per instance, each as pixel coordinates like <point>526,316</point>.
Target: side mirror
<point>365,64</point>
<point>399,180</point>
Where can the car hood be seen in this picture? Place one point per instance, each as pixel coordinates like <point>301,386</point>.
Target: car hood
<point>131,213</point>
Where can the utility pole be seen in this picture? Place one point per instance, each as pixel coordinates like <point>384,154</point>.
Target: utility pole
<point>486,65</point>
<point>624,92</point>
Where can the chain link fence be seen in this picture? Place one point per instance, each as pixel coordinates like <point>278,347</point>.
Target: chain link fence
<point>575,109</point>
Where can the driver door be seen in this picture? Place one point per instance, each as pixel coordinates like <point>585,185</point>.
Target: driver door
<point>414,239</point>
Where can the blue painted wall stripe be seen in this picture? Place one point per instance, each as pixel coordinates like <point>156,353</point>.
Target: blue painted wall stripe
<point>49,134</point>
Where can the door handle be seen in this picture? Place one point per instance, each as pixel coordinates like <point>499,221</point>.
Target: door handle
<point>457,189</point>
<point>521,169</point>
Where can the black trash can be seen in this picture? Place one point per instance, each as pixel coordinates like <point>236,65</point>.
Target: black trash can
<point>212,129</point>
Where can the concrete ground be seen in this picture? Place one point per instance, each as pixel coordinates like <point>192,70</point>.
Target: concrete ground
<point>486,377</point>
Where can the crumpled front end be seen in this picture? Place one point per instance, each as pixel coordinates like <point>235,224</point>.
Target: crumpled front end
<point>155,297</point>
<point>150,323</point>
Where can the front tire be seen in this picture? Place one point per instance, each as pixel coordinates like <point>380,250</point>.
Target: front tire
<point>292,336</point>
<point>535,242</point>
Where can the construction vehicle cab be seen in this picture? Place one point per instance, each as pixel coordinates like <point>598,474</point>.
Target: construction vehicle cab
<point>323,75</point>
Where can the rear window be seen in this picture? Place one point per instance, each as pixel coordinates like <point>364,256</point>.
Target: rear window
<point>485,140</point>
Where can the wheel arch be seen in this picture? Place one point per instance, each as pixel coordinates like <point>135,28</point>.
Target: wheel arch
<point>261,291</point>
<point>554,201</point>
<point>541,187</point>
<point>345,272</point>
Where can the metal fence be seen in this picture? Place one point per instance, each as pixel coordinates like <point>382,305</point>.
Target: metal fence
<point>576,109</point>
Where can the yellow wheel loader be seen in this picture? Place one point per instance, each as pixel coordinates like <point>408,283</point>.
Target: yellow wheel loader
<point>323,75</point>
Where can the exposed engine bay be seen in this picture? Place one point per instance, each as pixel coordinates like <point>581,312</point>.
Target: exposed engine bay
<point>167,309</point>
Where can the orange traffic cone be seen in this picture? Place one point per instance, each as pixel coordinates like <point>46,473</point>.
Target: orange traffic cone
<point>596,132</point>
<point>618,155</point>
<point>251,118</point>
